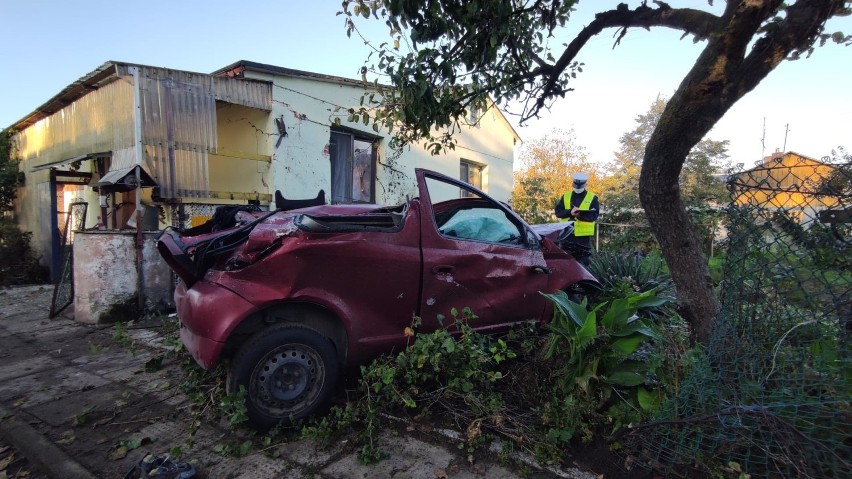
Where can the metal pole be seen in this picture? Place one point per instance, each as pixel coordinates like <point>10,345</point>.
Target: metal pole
<point>597,237</point>
<point>137,138</point>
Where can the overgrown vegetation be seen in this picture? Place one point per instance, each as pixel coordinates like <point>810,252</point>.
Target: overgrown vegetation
<point>18,262</point>
<point>593,369</point>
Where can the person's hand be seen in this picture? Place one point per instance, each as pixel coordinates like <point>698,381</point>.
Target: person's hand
<point>575,211</point>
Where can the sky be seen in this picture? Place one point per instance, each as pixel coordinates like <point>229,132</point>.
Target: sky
<point>803,106</point>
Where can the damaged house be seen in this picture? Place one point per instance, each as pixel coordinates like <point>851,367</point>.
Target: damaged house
<point>130,148</point>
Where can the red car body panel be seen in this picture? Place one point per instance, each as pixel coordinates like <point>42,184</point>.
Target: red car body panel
<point>204,338</point>
<point>373,268</point>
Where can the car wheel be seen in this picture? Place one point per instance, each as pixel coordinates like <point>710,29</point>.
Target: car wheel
<point>287,371</point>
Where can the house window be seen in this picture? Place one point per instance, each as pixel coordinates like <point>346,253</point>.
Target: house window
<point>353,168</point>
<point>470,173</point>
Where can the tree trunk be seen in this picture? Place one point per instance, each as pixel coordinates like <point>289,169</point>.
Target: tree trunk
<point>680,244</point>
<point>723,74</point>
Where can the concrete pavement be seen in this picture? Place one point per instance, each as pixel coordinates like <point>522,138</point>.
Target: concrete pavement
<point>70,396</point>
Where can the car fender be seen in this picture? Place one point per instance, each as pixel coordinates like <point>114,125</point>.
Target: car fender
<point>209,313</point>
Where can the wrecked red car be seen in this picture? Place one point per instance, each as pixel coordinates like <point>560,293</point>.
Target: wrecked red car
<point>291,298</point>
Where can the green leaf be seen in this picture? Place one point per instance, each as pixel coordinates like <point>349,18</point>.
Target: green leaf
<point>617,314</point>
<point>589,330</point>
<point>625,378</point>
<point>628,345</point>
<point>645,330</point>
<point>652,302</point>
<point>577,312</point>
<point>635,326</point>
<point>245,448</point>
<point>154,364</point>
<point>648,401</point>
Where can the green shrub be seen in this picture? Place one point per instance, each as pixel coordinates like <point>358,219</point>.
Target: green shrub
<point>584,375</point>
<point>610,358</point>
<point>18,262</point>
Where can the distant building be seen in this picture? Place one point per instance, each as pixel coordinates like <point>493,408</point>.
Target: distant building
<point>790,182</point>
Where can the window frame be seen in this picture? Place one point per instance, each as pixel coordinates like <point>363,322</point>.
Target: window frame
<point>468,164</point>
<point>353,137</point>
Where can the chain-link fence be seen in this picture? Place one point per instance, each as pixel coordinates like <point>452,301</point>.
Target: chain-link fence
<point>63,290</point>
<point>771,395</point>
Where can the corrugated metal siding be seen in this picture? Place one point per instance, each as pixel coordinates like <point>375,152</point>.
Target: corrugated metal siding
<point>178,129</point>
<point>179,124</point>
<point>253,94</point>
<point>178,111</point>
<point>99,121</point>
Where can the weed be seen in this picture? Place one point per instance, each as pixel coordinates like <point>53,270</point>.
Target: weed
<point>95,348</point>
<point>83,417</point>
<point>233,407</point>
<point>233,449</point>
<point>121,336</point>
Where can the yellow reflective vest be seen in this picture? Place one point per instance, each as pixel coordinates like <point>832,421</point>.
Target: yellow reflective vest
<point>581,228</point>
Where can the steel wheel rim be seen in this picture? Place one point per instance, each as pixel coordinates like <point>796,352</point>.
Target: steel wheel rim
<point>287,380</point>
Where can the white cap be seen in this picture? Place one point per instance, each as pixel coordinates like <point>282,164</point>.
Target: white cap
<point>582,177</point>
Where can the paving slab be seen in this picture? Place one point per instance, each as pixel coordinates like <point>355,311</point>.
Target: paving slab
<point>85,406</point>
<point>111,360</point>
<point>26,366</point>
<point>12,347</point>
<point>56,335</point>
<point>409,458</point>
<point>311,454</point>
<point>254,466</point>
<point>48,385</point>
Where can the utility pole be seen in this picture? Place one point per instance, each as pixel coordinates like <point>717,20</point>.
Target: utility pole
<point>786,130</point>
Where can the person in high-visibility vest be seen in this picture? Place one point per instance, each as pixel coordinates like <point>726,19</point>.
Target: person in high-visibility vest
<point>582,207</point>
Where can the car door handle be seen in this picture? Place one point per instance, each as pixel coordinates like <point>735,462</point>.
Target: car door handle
<point>443,269</point>
<point>542,270</point>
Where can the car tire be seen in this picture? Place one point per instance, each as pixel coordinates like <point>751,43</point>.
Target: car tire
<point>288,372</point>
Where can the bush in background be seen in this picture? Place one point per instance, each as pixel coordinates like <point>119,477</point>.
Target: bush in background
<point>18,262</point>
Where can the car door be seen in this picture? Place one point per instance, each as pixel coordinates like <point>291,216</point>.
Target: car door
<point>477,254</point>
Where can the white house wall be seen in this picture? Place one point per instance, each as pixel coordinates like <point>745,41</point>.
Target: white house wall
<point>300,164</point>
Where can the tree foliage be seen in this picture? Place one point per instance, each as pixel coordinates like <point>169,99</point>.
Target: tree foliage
<point>10,177</point>
<point>840,182</point>
<point>702,189</point>
<point>448,57</point>
<point>547,166</point>
<point>18,262</point>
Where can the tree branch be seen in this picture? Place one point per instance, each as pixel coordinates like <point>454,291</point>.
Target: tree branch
<point>690,21</point>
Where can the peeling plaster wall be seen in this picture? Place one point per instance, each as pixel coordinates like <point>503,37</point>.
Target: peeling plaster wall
<point>105,275</point>
<point>300,164</point>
